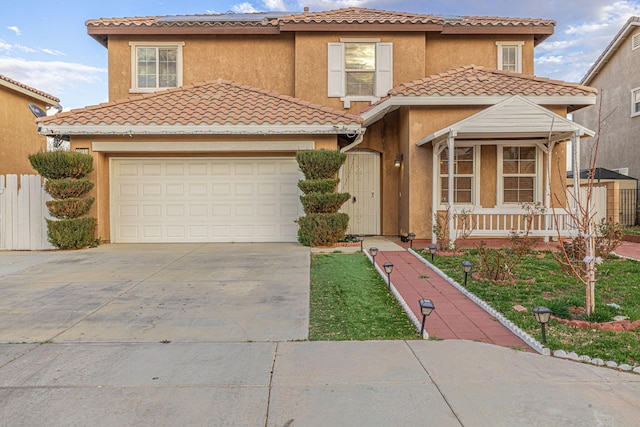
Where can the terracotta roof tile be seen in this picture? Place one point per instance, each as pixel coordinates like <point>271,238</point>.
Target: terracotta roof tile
<point>29,88</point>
<point>472,80</point>
<point>351,15</point>
<point>211,103</point>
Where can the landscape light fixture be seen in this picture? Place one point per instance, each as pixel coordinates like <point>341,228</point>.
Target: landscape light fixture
<point>467,266</point>
<point>410,237</point>
<point>432,250</point>
<point>388,268</point>
<point>398,160</point>
<point>426,307</point>
<point>543,314</point>
<point>361,237</point>
<point>373,251</point>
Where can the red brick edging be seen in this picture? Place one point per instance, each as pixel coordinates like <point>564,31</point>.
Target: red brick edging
<point>615,326</point>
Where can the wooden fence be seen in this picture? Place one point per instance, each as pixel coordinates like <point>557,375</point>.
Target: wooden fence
<point>23,212</point>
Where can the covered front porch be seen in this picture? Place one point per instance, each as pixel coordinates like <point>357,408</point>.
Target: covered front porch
<point>502,171</point>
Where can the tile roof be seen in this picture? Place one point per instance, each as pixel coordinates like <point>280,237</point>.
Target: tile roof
<point>210,103</point>
<point>351,15</point>
<point>29,88</point>
<point>472,80</point>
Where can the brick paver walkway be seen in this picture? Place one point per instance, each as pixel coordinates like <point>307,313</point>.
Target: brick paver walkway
<point>455,316</point>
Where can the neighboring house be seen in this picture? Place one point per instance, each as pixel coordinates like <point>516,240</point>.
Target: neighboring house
<point>19,137</point>
<point>206,114</point>
<point>616,115</point>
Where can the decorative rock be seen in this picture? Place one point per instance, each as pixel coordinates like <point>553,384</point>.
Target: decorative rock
<point>611,364</point>
<point>624,367</point>
<point>634,325</point>
<point>520,309</point>
<point>597,361</point>
<point>619,318</point>
<point>636,369</point>
<point>614,305</point>
<point>572,356</point>
<point>560,353</point>
<point>584,358</point>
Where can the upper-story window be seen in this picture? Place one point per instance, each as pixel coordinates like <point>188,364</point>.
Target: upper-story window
<point>510,56</point>
<point>359,70</point>
<point>155,66</point>
<point>635,102</point>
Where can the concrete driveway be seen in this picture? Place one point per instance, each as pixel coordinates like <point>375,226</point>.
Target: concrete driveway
<point>152,293</point>
<point>206,335</point>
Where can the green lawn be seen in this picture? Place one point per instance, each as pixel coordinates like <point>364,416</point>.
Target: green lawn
<point>618,282</point>
<point>349,301</point>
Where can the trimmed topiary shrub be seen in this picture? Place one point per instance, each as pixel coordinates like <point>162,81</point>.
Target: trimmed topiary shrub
<point>318,185</point>
<point>321,164</point>
<point>68,188</point>
<point>322,225</point>
<point>70,208</point>
<point>322,229</point>
<point>72,233</point>
<point>62,164</point>
<point>65,173</point>
<point>323,203</point>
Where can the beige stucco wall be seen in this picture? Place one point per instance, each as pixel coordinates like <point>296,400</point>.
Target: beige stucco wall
<point>100,174</point>
<point>265,62</point>
<point>19,136</point>
<point>446,52</point>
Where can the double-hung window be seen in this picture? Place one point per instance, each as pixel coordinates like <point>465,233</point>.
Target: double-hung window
<point>155,66</point>
<point>510,56</point>
<point>359,70</point>
<point>463,176</point>
<point>635,102</point>
<point>519,174</point>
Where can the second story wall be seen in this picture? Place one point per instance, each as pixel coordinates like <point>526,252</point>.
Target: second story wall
<point>262,61</point>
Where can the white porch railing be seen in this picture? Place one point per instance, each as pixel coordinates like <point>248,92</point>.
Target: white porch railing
<point>484,222</point>
<point>22,213</point>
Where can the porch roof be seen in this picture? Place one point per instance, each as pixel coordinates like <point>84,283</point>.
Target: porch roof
<point>513,118</point>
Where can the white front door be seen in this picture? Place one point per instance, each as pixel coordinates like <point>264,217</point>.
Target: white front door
<point>204,200</point>
<point>360,177</point>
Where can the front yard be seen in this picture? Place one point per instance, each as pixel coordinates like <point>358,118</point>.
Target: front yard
<point>541,282</point>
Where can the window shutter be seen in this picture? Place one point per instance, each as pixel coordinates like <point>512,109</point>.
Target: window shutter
<point>384,68</point>
<point>335,66</point>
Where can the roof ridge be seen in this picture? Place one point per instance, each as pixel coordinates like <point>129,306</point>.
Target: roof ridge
<point>536,78</point>
<point>29,88</point>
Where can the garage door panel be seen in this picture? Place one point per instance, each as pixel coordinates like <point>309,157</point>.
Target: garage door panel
<point>218,200</point>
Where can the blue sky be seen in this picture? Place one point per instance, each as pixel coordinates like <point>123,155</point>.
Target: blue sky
<point>44,44</point>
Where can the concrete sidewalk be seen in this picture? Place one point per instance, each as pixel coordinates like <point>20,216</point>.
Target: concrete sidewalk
<point>629,250</point>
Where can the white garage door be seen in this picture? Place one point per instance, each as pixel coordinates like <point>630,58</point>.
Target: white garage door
<point>204,200</point>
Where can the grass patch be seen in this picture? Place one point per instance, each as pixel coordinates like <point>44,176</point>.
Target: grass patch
<point>349,301</point>
<point>617,283</point>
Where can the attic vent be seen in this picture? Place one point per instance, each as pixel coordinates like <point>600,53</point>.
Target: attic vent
<point>635,42</point>
<point>622,171</point>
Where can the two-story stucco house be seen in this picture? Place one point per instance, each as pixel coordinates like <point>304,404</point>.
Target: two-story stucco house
<point>19,137</point>
<point>616,116</point>
<point>207,112</point>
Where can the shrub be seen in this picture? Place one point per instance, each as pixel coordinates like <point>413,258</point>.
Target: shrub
<point>70,208</point>
<point>320,164</point>
<point>67,188</point>
<point>609,236</point>
<point>322,229</point>
<point>318,185</point>
<point>559,307</point>
<point>323,203</point>
<point>62,164</point>
<point>72,233</point>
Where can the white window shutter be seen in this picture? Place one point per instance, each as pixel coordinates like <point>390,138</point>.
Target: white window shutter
<point>384,68</point>
<point>335,66</point>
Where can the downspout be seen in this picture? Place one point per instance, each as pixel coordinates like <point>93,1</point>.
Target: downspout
<point>355,142</point>
<point>450,179</point>
<point>575,142</point>
<point>547,189</point>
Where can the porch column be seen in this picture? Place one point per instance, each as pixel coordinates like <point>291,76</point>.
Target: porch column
<point>575,148</point>
<point>435,196</point>
<point>450,172</point>
<point>547,190</point>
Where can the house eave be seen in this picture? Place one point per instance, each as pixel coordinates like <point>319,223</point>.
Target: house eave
<point>28,93</point>
<point>50,130</point>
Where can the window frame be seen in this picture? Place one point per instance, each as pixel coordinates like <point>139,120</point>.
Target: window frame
<point>537,176</point>
<point>508,44</point>
<point>157,45</point>
<point>475,182</point>
<point>635,105</point>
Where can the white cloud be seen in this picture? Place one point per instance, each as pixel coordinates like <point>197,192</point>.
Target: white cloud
<point>244,8</point>
<point>9,47</point>
<point>272,5</point>
<point>55,77</point>
<point>53,52</point>
<point>15,29</point>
